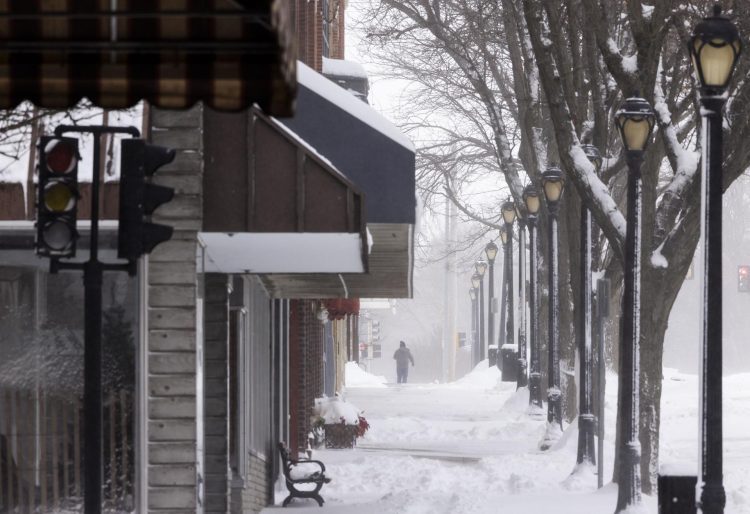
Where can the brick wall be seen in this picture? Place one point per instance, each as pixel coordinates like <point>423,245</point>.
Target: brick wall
<point>307,16</point>
<point>173,457</point>
<point>215,387</point>
<point>257,493</point>
<point>306,377</point>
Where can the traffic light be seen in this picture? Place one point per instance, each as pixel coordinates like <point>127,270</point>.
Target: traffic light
<point>138,198</point>
<point>376,331</point>
<point>376,351</point>
<point>743,278</point>
<point>57,197</point>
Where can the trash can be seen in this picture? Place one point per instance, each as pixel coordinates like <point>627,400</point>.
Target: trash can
<point>677,494</point>
<point>509,362</point>
<point>492,355</point>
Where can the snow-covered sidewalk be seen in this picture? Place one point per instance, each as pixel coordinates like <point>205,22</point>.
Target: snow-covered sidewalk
<point>471,447</point>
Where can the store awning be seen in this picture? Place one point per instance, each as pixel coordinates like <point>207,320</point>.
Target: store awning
<point>272,204</point>
<point>229,54</point>
<point>370,150</point>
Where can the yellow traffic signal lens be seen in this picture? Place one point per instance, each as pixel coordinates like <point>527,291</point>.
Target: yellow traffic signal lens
<point>60,156</point>
<point>59,197</point>
<point>57,235</point>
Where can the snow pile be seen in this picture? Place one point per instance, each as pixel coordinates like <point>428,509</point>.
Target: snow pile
<point>335,410</point>
<point>357,377</point>
<point>481,377</point>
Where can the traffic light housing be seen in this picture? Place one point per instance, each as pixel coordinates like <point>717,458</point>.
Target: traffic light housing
<point>743,278</point>
<point>57,197</point>
<point>375,331</point>
<point>139,199</point>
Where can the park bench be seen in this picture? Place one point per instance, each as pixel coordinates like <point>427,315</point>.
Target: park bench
<point>298,473</point>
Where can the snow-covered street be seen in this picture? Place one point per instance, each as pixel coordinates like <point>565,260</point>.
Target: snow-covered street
<point>471,447</point>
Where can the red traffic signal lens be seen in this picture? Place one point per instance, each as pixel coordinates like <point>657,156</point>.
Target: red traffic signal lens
<point>60,156</point>
<point>57,235</point>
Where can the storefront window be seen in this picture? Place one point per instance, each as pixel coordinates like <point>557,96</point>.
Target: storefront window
<point>41,390</point>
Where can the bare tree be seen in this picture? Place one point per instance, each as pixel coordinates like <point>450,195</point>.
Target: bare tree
<point>504,87</point>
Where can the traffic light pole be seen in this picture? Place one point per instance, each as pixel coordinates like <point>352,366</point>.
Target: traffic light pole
<point>93,273</point>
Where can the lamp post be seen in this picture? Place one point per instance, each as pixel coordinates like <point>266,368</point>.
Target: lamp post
<point>586,442</point>
<point>508,210</point>
<point>481,266</point>
<point>501,360</point>
<point>553,184</point>
<point>714,48</point>
<point>491,252</point>
<point>476,281</point>
<point>635,121</point>
<point>523,365</point>
<point>473,296</point>
<point>531,200</point>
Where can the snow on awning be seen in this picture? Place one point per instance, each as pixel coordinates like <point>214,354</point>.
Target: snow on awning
<point>284,252</point>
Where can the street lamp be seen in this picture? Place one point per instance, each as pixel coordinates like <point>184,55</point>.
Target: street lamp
<point>714,48</point>
<point>508,211</point>
<point>481,266</point>
<point>490,250</point>
<point>503,300</point>
<point>553,184</point>
<point>532,201</point>
<point>635,121</point>
<point>586,442</point>
<point>474,324</point>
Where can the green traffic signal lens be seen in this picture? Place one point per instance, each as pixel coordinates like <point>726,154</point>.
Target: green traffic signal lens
<point>60,156</point>
<point>57,235</point>
<point>58,197</point>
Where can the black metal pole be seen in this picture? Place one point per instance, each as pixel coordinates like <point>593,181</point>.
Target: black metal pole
<point>602,312</point>
<point>629,490</point>
<point>586,451</point>
<point>503,305</point>
<point>474,339</point>
<point>92,356</point>
<point>713,496</point>
<point>522,363</point>
<point>535,375</point>
<point>490,299</point>
<point>554,394</point>
<point>480,357</point>
<point>510,325</point>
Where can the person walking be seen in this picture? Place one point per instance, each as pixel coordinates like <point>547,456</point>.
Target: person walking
<point>402,356</point>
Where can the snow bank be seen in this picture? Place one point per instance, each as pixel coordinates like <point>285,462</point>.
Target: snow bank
<point>481,377</point>
<point>357,377</point>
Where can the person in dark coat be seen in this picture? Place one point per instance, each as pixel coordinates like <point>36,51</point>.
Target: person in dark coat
<point>403,357</point>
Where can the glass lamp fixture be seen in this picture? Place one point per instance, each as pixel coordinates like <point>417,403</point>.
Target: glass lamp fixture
<point>635,121</point>
<point>553,184</point>
<point>481,267</point>
<point>594,157</point>
<point>531,199</point>
<point>509,211</point>
<point>472,293</point>
<point>503,235</point>
<point>714,49</point>
<point>491,251</point>
<point>476,279</point>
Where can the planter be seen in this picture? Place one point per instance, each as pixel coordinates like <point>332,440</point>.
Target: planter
<point>340,435</point>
